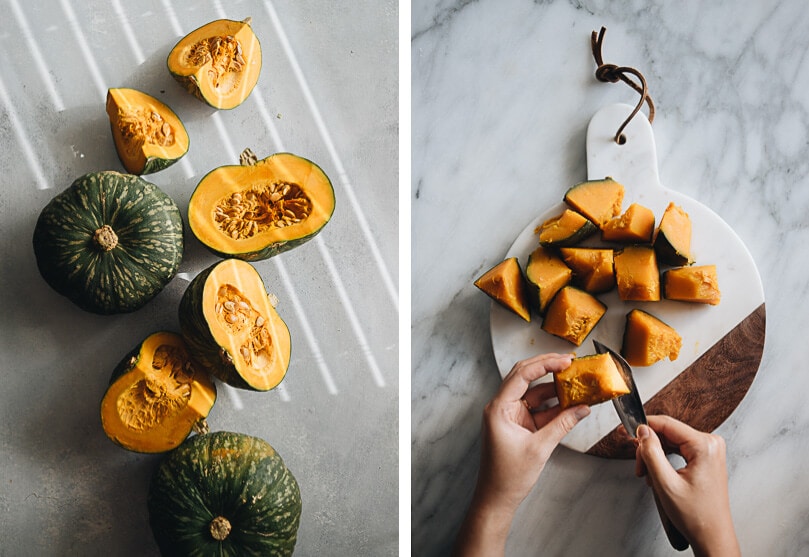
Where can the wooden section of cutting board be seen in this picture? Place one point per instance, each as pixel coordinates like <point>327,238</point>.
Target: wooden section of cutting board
<point>708,390</point>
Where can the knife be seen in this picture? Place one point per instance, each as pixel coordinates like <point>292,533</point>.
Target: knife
<point>630,410</point>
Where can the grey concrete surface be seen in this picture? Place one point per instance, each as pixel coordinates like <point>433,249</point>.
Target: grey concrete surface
<point>328,91</point>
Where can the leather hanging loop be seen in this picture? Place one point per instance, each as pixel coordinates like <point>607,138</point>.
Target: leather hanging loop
<point>610,73</point>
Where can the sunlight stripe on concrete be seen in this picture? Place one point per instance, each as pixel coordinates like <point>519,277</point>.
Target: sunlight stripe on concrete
<point>36,54</point>
<point>341,172</point>
<point>29,153</point>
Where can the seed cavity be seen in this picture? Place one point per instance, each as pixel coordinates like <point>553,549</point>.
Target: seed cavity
<point>236,314</point>
<point>224,56</point>
<point>139,126</point>
<point>164,391</point>
<point>244,214</point>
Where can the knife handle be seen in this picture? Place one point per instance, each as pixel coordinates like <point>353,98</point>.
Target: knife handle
<point>675,537</point>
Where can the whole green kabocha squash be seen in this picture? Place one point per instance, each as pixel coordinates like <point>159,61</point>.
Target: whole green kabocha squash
<point>224,494</point>
<point>110,242</point>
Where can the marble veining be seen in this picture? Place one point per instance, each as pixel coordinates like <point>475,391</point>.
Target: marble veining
<point>502,93</point>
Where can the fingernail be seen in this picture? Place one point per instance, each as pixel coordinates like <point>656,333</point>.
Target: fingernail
<point>643,431</point>
<point>582,412</point>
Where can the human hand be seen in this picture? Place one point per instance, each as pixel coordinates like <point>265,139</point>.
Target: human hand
<point>518,437</point>
<point>694,497</point>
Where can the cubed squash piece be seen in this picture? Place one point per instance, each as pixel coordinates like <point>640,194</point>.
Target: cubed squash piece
<point>593,268</point>
<point>589,380</point>
<point>673,238</point>
<point>504,283</point>
<point>692,284</point>
<point>566,229</point>
<point>598,200</point>
<point>635,226</point>
<point>648,340</point>
<point>572,314</point>
<point>545,275</point>
<point>637,275</point>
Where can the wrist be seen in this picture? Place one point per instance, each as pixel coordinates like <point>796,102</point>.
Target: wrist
<point>720,542</point>
<point>485,528</point>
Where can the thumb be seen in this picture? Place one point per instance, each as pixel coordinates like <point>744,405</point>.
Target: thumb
<point>651,451</point>
<point>563,423</point>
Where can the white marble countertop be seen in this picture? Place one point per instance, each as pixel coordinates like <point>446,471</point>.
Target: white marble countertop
<point>502,93</point>
<point>328,91</point>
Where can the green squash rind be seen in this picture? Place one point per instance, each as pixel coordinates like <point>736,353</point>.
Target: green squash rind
<point>233,475</point>
<point>149,227</point>
<point>668,254</point>
<point>197,334</point>
<point>156,164</point>
<point>127,363</point>
<point>270,251</point>
<point>587,229</point>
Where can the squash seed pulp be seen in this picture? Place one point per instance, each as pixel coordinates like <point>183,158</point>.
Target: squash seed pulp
<point>244,214</point>
<point>236,315</point>
<point>139,127</point>
<point>164,392</point>
<point>224,54</point>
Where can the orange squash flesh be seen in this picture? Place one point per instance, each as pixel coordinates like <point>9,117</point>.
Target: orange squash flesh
<point>222,185</point>
<point>565,229</point>
<point>692,284</point>
<point>262,368</point>
<point>598,200</point>
<point>589,380</point>
<point>219,63</point>
<point>148,135</point>
<point>593,268</point>
<point>635,226</point>
<point>572,314</point>
<point>504,284</point>
<point>157,396</point>
<point>637,274</point>
<point>545,275</point>
<point>673,237</point>
<point>648,340</point>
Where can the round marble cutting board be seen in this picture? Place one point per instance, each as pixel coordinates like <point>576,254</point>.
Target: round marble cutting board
<point>722,344</point>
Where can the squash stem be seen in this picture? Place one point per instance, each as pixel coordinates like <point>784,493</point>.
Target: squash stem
<point>248,157</point>
<point>220,528</point>
<point>200,427</point>
<point>105,238</point>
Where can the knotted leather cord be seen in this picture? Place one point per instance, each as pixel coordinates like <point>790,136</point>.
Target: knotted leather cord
<point>610,73</point>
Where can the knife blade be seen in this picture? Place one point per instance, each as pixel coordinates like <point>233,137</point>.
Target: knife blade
<point>630,410</point>
<point>629,406</point>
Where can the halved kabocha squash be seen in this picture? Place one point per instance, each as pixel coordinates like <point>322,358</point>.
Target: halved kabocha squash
<point>648,340</point>
<point>157,396</point>
<point>566,229</point>
<point>698,284</point>
<point>219,63</point>
<point>589,380</point>
<point>504,283</point>
<point>262,207</point>
<point>673,238</point>
<point>635,226</point>
<point>572,314</point>
<point>545,275</point>
<point>232,328</point>
<point>598,200</point>
<point>637,274</point>
<point>593,268</point>
<point>148,135</point>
